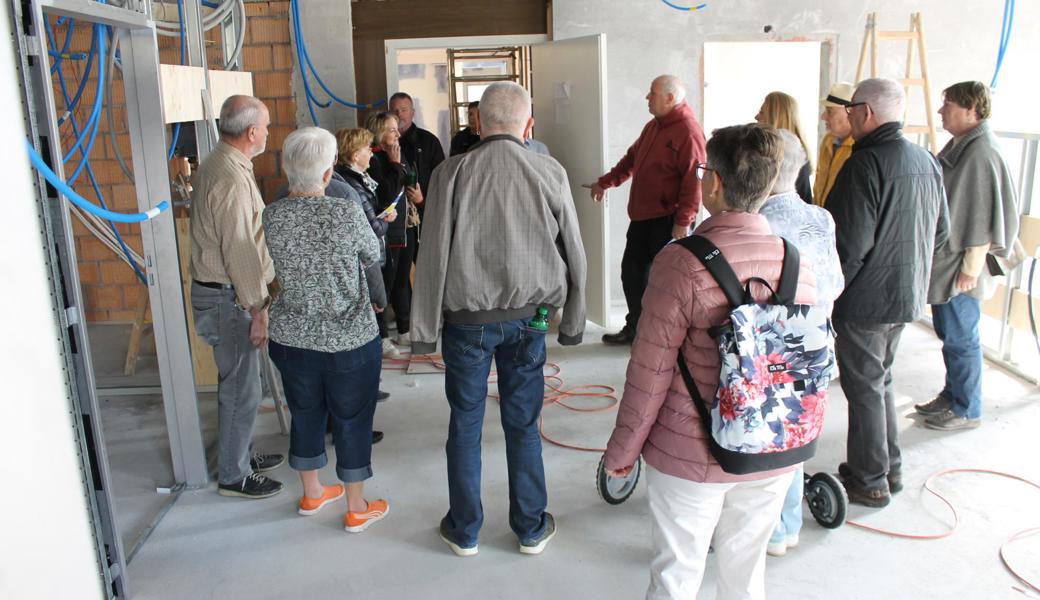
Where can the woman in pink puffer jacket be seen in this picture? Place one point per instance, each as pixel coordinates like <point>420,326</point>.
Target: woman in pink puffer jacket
<point>693,502</point>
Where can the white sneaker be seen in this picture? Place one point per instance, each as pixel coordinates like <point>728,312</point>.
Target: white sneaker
<point>777,549</point>
<point>792,541</point>
<point>404,339</point>
<point>390,350</point>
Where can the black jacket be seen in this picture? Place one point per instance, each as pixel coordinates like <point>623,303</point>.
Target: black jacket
<point>423,152</point>
<point>390,177</point>
<point>463,141</point>
<point>889,209</point>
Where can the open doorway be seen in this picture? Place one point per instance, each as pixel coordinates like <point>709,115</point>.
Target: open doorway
<point>422,69</point>
<point>738,75</point>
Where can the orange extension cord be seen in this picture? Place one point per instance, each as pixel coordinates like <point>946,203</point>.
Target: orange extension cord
<point>555,394</point>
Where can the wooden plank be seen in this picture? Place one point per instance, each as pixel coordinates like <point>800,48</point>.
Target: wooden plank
<point>1029,234</point>
<point>201,352</point>
<point>898,36</point>
<point>223,84</point>
<point>133,348</point>
<point>182,90</point>
<point>1019,317</point>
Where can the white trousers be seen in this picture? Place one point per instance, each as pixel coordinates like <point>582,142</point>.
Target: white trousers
<point>735,518</point>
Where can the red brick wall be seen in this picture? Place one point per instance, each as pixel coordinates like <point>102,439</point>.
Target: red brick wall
<point>109,285</point>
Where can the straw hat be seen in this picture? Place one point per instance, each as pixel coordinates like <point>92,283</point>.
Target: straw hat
<point>840,94</point>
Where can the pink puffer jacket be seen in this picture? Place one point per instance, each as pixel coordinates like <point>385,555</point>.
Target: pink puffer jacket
<point>682,301</point>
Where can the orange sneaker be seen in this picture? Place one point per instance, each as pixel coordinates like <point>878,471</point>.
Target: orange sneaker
<point>310,506</point>
<point>356,522</point>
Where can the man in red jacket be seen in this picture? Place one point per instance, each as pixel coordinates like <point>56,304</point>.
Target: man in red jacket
<point>665,194</point>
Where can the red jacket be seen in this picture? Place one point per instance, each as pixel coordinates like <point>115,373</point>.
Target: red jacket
<point>657,417</point>
<point>662,164</point>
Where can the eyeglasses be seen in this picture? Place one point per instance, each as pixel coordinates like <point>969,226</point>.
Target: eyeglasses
<point>702,170</point>
<point>849,107</point>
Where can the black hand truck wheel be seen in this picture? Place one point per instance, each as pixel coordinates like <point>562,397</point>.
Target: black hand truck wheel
<point>615,490</point>
<point>827,499</point>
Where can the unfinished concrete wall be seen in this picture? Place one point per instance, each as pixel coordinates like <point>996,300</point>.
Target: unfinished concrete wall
<point>647,38</point>
<point>328,33</point>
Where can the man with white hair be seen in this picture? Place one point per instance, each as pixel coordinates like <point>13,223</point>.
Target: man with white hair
<point>811,230</point>
<point>890,214</point>
<point>665,194</point>
<point>230,294</point>
<point>499,256</point>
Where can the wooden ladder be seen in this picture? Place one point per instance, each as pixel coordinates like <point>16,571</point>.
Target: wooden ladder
<point>915,35</point>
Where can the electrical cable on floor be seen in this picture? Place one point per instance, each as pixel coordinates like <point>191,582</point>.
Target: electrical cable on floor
<point>929,487</point>
<point>555,393</point>
<point>685,8</point>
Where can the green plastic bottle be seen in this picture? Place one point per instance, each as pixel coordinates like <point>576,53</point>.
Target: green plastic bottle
<point>541,319</point>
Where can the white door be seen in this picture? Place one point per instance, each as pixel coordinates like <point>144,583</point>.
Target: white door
<point>568,80</point>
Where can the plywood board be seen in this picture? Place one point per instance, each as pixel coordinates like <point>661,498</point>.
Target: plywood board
<point>182,90</point>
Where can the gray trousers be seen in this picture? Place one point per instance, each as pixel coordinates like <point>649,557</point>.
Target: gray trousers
<point>865,354</point>
<point>223,325</point>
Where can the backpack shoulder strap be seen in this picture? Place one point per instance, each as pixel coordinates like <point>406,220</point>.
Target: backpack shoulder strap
<point>712,259</point>
<point>785,292</point>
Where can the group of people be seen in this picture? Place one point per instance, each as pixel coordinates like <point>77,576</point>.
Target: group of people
<point>886,228</point>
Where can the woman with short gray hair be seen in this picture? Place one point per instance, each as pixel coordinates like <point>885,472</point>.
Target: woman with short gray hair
<point>323,331</point>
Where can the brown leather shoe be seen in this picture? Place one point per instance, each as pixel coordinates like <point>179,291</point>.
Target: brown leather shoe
<point>895,478</point>
<point>871,498</point>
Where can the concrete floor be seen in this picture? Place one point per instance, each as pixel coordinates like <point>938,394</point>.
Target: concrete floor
<point>209,546</point>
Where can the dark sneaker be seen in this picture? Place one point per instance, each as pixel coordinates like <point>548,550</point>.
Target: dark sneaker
<point>871,498</point>
<point>536,545</point>
<point>621,338</point>
<point>895,478</point>
<point>458,549</point>
<point>262,463</point>
<point>933,407</point>
<point>377,436</point>
<point>255,486</point>
<point>382,396</point>
<point>948,420</point>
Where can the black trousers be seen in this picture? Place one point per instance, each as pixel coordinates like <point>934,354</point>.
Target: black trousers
<point>397,277</point>
<point>865,355</point>
<point>642,243</point>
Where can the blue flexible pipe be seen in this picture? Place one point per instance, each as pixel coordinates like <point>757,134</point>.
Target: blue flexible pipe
<point>52,178</point>
<point>304,59</point>
<point>1005,39</point>
<point>90,172</point>
<point>94,124</point>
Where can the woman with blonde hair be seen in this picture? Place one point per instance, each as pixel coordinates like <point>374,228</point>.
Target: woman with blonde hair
<point>780,111</point>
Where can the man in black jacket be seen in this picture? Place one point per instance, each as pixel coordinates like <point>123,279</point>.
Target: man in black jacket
<point>890,213</point>
<point>421,149</point>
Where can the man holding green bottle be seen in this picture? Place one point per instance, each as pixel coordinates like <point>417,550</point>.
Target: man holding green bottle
<point>500,254</point>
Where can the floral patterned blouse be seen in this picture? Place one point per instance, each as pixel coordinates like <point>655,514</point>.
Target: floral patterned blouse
<point>318,245</point>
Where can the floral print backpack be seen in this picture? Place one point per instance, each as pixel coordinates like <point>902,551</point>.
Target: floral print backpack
<point>777,360</point>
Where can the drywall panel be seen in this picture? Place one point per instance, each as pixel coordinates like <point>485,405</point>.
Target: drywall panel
<point>327,28</point>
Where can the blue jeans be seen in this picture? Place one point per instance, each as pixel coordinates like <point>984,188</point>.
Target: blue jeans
<point>791,514</point>
<point>519,354</point>
<point>341,384</point>
<point>957,325</point>
<point>225,326</point>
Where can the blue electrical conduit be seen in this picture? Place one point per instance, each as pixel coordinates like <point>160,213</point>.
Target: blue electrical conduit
<point>70,106</point>
<point>1005,38</point>
<point>304,59</point>
<point>52,178</point>
<point>94,124</point>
